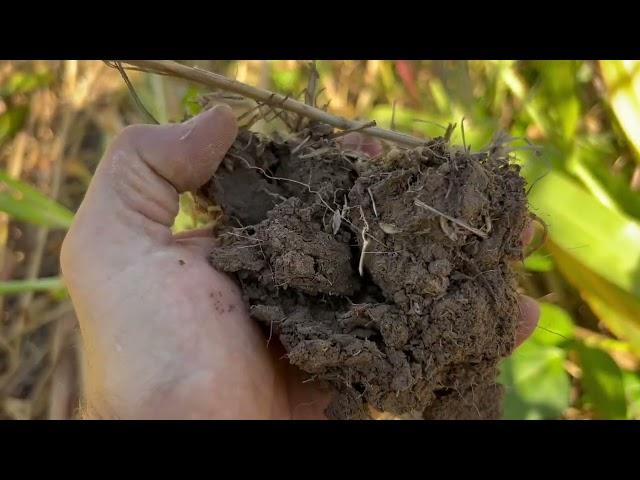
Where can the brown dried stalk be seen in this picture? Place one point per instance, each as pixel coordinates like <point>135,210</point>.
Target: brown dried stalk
<point>457,221</point>
<point>167,67</point>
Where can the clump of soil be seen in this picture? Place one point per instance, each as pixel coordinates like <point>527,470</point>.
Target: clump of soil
<point>389,278</point>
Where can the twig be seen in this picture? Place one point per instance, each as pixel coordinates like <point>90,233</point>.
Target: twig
<point>545,233</point>
<point>419,120</point>
<point>51,314</point>
<point>372,123</point>
<point>62,370</point>
<point>270,333</point>
<point>310,95</point>
<point>133,93</point>
<point>365,243</point>
<point>214,80</point>
<point>296,149</point>
<point>458,222</point>
<point>373,202</point>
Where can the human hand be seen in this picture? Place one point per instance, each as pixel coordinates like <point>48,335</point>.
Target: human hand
<point>164,334</point>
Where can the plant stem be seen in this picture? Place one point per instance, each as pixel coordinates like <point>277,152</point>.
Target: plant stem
<point>167,67</point>
<point>31,285</point>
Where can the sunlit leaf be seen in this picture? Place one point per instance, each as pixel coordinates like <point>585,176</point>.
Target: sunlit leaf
<point>27,204</point>
<point>286,80</point>
<point>618,309</point>
<point>554,327</point>
<point>603,240</point>
<point>189,215</point>
<point>632,390</point>
<point>558,90</point>
<point>535,380</point>
<point>440,97</point>
<point>539,261</point>
<point>588,162</point>
<point>190,101</point>
<point>624,99</point>
<point>602,383</point>
<point>536,383</point>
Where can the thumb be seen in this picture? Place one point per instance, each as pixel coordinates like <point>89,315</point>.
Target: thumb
<point>133,197</point>
<point>185,155</point>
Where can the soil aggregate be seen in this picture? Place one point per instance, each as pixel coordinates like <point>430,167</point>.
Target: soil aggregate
<point>389,278</point>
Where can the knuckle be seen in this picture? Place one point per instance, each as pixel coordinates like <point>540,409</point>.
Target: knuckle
<point>129,135</point>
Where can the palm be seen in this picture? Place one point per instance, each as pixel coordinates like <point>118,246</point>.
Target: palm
<point>201,325</point>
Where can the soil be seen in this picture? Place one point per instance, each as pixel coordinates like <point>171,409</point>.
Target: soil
<point>420,320</point>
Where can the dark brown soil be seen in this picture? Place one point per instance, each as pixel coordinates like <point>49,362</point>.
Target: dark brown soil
<point>423,326</point>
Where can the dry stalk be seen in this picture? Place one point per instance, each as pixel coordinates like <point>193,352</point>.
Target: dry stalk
<point>365,243</point>
<point>214,80</point>
<point>457,221</point>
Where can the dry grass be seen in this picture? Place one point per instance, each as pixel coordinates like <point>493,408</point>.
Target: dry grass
<point>56,151</point>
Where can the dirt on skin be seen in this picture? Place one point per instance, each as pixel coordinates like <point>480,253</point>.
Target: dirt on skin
<point>389,278</point>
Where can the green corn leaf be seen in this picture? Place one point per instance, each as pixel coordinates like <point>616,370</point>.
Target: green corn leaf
<point>603,383</point>
<point>539,261</point>
<point>618,309</point>
<point>555,326</point>
<point>588,163</point>
<point>536,383</point>
<point>603,240</point>
<point>632,389</point>
<point>27,204</point>
<point>623,90</point>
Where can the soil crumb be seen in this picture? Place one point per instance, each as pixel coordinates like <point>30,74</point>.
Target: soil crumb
<point>388,277</point>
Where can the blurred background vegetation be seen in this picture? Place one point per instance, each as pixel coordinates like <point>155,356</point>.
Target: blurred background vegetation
<point>583,361</point>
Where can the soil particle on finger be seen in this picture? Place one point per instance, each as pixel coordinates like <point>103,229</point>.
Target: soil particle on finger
<point>433,229</point>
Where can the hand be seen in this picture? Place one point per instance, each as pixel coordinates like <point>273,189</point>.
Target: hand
<point>164,334</point>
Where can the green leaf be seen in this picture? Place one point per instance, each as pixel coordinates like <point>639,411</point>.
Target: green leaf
<point>539,261</point>
<point>586,163</point>
<point>555,326</point>
<point>27,204</point>
<point>618,309</point>
<point>632,390</point>
<point>536,383</point>
<point>602,383</point>
<point>189,216</point>
<point>624,98</point>
<point>11,122</point>
<point>36,285</point>
<point>190,101</point>
<point>603,240</point>
<point>440,97</point>
<point>559,94</point>
<point>286,80</point>
<point>25,82</point>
